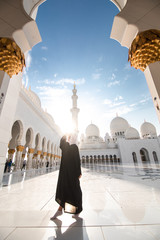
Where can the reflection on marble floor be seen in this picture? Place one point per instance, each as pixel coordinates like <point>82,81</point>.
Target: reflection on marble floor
<point>120,202</point>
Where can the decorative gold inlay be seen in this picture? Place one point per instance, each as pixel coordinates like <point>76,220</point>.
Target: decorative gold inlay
<point>31,150</point>
<point>20,148</point>
<point>12,59</point>
<point>145,49</point>
<point>11,151</point>
<point>39,152</point>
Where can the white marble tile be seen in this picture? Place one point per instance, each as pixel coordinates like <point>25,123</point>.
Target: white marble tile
<point>122,204</point>
<point>127,233</point>
<point>72,233</point>
<point>4,232</point>
<point>22,218</point>
<point>155,231</point>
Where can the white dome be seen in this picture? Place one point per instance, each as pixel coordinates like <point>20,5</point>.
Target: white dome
<point>34,97</point>
<point>148,129</point>
<point>50,118</point>
<point>92,131</point>
<point>118,125</point>
<point>132,133</point>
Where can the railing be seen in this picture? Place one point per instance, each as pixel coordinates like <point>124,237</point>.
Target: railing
<point>20,176</point>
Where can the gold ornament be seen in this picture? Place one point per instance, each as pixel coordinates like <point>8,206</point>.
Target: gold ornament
<point>11,151</point>
<point>20,148</point>
<point>145,49</point>
<point>12,59</point>
<point>31,150</point>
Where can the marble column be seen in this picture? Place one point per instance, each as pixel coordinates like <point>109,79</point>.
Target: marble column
<point>11,154</point>
<point>49,158</point>
<point>44,158</point>
<point>38,158</point>
<point>18,157</point>
<point>52,159</point>
<point>29,158</point>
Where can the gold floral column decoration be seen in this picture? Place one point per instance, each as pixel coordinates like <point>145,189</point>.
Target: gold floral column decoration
<point>145,49</point>
<point>12,59</point>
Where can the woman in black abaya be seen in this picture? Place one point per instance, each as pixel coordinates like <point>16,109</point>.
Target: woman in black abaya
<point>68,193</point>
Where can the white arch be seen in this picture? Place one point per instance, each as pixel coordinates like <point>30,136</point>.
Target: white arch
<point>120,4</point>
<point>48,146</point>
<point>17,131</point>
<point>31,7</point>
<point>44,144</point>
<point>37,141</point>
<point>29,137</point>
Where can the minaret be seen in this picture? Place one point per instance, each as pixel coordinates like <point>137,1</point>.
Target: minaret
<point>74,110</point>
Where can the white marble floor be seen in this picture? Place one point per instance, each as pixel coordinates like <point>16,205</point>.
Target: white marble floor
<point>120,202</point>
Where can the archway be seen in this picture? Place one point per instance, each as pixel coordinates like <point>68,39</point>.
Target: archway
<point>155,157</point>
<point>16,132</point>
<point>134,157</point>
<point>144,155</point>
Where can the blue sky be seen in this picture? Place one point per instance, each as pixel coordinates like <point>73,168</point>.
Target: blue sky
<point>76,46</point>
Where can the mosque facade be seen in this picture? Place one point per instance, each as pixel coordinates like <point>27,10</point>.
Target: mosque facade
<point>125,145</point>
<point>34,134</point>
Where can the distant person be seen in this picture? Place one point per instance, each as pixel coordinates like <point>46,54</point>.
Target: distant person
<point>9,165</point>
<point>24,164</point>
<point>6,166</point>
<point>47,164</point>
<point>68,192</point>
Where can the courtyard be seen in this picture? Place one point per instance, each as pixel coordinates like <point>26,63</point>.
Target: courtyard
<point>119,202</point>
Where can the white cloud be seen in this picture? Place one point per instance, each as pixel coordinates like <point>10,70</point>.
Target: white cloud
<point>116,82</point>
<point>114,103</point>
<point>133,104</point>
<point>113,76</point>
<point>146,99</point>
<point>28,59</point>
<point>118,104</point>
<point>121,110</point>
<point>126,77</point>
<point>127,66</point>
<point>99,69</point>
<point>107,102</point>
<point>118,98</point>
<point>44,48</point>
<point>96,76</point>
<point>70,81</point>
<point>48,81</point>
<point>57,101</point>
<point>55,75</point>
<point>100,59</point>
<point>44,59</point>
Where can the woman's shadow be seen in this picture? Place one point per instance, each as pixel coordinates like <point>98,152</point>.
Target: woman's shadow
<point>76,230</point>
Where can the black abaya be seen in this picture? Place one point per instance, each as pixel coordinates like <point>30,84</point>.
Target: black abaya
<point>68,187</point>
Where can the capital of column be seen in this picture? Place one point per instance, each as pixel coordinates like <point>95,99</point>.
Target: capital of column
<point>52,155</point>
<point>23,155</point>
<point>44,153</point>
<point>31,150</point>
<point>20,148</point>
<point>39,152</point>
<point>12,59</point>
<point>48,154</point>
<point>11,151</point>
<point>145,49</point>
